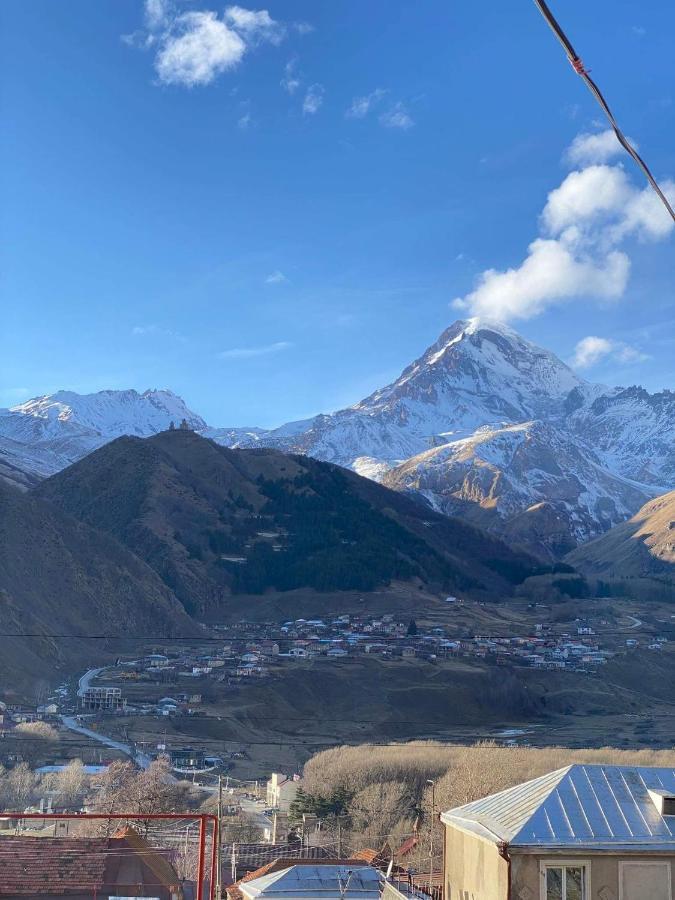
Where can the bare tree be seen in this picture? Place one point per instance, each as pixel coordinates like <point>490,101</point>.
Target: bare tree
<point>35,739</point>
<point>71,783</point>
<point>17,788</point>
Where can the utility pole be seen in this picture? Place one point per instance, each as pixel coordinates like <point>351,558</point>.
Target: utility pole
<point>218,834</point>
<point>431,834</point>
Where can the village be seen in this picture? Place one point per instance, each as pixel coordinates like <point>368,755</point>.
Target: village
<point>250,650</point>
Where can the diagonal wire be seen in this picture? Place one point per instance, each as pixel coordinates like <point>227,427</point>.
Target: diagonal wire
<point>580,69</point>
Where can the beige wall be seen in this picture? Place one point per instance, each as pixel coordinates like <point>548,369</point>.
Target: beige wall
<point>474,870</point>
<point>604,873</point>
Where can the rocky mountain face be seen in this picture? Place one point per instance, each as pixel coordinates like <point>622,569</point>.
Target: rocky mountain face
<point>46,434</point>
<point>534,482</point>
<point>484,424</point>
<point>475,375</point>
<point>213,522</point>
<point>642,546</point>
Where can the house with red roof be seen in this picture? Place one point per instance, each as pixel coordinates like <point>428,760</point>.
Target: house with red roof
<point>73,868</point>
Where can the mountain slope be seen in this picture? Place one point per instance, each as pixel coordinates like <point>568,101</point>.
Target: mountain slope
<point>213,521</point>
<point>477,373</point>
<point>50,432</point>
<point>533,483</point>
<point>633,432</point>
<point>59,576</point>
<point>645,545</point>
<point>525,446</point>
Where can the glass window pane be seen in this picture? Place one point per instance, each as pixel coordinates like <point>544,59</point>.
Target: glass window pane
<point>574,883</point>
<point>554,884</point>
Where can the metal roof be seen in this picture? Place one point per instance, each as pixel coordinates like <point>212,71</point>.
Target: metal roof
<point>594,806</point>
<point>357,883</point>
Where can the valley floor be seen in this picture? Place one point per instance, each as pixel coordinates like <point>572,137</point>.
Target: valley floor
<point>305,705</point>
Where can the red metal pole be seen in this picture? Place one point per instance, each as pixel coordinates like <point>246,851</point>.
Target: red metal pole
<point>202,853</point>
<point>214,862</point>
<point>206,817</point>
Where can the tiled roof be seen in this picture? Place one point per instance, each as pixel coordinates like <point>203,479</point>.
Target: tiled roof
<point>368,855</point>
<point>594,806</point>
<point>407,845</point>
<point>252,856</point>
<point>33,865</point>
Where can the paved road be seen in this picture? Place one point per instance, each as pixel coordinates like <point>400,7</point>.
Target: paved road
<point>141,759</point>
<point>636,622</point>
<point>87,678</point>
<point>255,814</point>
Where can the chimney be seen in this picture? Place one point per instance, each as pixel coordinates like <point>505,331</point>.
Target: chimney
<point>664,801</point>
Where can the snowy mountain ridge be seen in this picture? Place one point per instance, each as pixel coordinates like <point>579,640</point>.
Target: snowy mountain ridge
<point>484,424</point>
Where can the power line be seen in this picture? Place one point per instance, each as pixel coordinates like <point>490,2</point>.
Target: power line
<point>580,69</point>
<point>363,639</point>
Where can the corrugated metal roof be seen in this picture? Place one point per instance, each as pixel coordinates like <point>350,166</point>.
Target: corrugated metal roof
<point>578,806</point>
<point>362,883</point>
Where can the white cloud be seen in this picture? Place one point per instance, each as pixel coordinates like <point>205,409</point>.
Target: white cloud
<point>156,331</point>
<point>157,14</point>
<point>551,272</point>
<point>245,121</point>
<point>586,195</point>
<point>313,99</point>
<point>199,47</point>
<point>194,47</point>
<point>303,27</point>
<point>591,350</point>
<point>584,222</point>
<point>361,106</point>
<point>397,117</point>
<point>291,81</point>
<point>598,147</point>
<point>276,277</point>
<point>256,24</point>
<point>251,352</point>
<point>645,214</point>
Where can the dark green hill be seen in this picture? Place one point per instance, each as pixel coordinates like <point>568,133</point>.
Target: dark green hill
<point>213,522</point>
<point>59,576</point>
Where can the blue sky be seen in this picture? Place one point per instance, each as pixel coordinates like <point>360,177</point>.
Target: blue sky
<point>271,209</point>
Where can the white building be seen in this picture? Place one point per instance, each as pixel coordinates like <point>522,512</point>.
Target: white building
<point>281,791</point>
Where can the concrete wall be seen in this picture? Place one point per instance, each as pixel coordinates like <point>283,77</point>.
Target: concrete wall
<point>604,878</point>
<point>474,870</point>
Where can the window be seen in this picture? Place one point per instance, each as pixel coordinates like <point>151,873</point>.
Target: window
<point>565,880</point>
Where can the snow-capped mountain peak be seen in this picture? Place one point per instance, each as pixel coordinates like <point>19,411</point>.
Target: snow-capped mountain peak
<point>480,371</point>
<point>108,413</point>
<point>484,423</point>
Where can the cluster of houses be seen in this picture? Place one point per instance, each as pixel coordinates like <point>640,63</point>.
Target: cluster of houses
<point>256,650</point>
<point>20,714</point>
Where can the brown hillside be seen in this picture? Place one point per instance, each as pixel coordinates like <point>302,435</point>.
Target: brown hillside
<point>213,522</point>
<point>58,576</point>
<point>642,546</point>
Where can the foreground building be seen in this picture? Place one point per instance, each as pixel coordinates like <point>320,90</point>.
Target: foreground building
<point>42,868</point>
<point>288,879</point>
<point>581,833</point>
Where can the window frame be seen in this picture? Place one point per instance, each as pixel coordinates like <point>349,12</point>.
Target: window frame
<point>644,862</point>
<point>562,863</point>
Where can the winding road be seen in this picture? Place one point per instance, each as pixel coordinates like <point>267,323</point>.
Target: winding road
<point>142,760</point>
